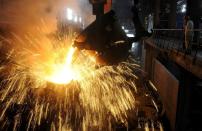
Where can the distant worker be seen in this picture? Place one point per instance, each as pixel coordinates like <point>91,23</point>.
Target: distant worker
<point>189,33</point>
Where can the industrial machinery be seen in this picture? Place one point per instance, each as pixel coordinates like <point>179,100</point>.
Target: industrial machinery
<point>105,35</point>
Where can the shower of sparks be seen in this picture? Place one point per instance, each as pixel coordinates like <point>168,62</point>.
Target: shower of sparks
<point>49,83</point>
<point>62,73</point>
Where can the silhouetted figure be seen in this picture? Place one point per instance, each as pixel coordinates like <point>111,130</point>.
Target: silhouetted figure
<point>140,30</point>
<point>106,36</point>
<point>189,33</point>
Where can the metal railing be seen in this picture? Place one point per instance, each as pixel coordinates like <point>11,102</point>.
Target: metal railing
<point>175,39</point>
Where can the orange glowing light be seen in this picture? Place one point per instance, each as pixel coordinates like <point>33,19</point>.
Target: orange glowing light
<point>62,73</point>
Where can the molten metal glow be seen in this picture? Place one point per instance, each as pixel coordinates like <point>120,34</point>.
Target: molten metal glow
<point>62,73</point>
<point>53,82</point>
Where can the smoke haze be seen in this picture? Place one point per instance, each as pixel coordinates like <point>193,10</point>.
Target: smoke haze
<point>22,16</point>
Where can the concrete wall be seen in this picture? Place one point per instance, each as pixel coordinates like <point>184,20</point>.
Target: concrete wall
<point>177,87</point>
<point>168,87</point>
<point>166,83</point>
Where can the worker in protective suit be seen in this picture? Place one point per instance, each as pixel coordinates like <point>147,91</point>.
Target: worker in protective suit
<point>106,36</point>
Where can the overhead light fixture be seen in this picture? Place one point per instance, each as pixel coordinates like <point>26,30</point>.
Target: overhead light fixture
<point>126,31</point>
<point>80,19</point>
<point>75,19</point>
<point>184,8</point>
<point>69,14</point>
<point>130,35</point>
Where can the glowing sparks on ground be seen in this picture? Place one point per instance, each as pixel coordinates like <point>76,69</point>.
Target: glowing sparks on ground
<point>89,98</point>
